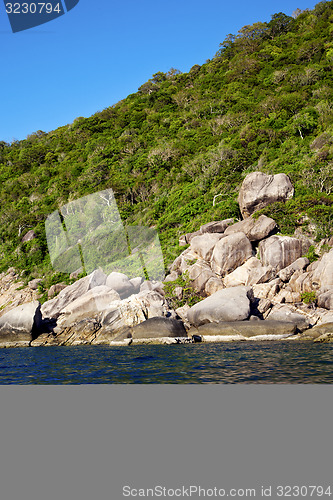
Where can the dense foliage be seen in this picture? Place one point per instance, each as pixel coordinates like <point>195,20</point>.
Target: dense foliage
<point>176,152</point>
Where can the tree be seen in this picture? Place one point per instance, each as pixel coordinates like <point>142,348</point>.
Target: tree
<point>304,122</point>
<point>280,23</point>
<point>249,36</point>
<point>296,13</point>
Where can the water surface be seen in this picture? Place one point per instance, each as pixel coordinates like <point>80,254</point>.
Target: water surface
<point>215,363</point>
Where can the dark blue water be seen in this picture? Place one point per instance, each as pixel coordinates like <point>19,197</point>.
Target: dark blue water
<point>220,363</point>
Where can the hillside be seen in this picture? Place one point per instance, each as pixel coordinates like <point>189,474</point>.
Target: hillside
<point>176,152</point>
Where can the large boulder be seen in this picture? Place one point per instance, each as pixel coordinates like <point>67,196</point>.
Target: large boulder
<point>52,308</point>
<point>229,304</point>
<point>20,324</point>
<point>186,239</point>
<point>240,330</point>
<point>240,275</point>
<point>120,283</point>
<point>199,273</point>
<point>267,290</point>
<point>254,229</point>
<point>230,252</point>
<point>102,326</point>
<point>260,274</point>
<point>137,282</point>
<point>325,299</point>
<point>213,285</point>
<point>323,272</point>
<point>299,265</point>
<point>318,330</point>
<point>280,251</point>
<point>150,286</point>
<point>88,305</point>
<point>259,190</point>
<point>302,282</point>
<point>184,261</point>
<point>288,314</point>
<point>157,328</point>
<point>204,244</point>
<point>55,289</point>
<point>130,312</point>
<point>216,226</point>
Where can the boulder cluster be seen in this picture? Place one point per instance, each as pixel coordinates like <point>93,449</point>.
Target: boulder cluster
<point>253,283</point>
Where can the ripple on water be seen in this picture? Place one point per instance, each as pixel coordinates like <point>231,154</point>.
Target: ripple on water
<point>235,363</point>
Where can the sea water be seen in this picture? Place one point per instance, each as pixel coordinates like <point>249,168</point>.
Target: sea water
<point>204,363</point>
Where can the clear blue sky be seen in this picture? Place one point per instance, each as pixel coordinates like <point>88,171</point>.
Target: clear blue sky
<point>103,50</point>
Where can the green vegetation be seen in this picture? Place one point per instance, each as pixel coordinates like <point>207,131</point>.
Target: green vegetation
<point>311,255</point>
<point>176,152</point>
<point>309,298</point>
<point>189,295</point>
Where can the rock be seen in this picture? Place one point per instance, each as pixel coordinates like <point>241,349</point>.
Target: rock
<point>259,190</point>
<point>186,239</point>
<point>83,332</point>
<point>299,265</point>
<point>182,313</point>
<point>260,274</point>
<point>289,296</point>
<point>55,289</point>
<point>240,275</point>
<point>135,309</point>
<point>323,273</point>
<point>75,274</point>
<point>326,337</point>
<point>120,283</point>
<point>229,304</point>
<point>21,324</point>
<point>182,241</point>
<point>53,307</point>
<point>171,277</point>
<point>106,325</point>
<point>183,261</point>
<point>204,244</point>
<point>45,339</point>
<point>213,285</point>
<point>30,235</point>
<point>88,305</point>
<point>325,299</point>
<point>230,252</point>
<point>264,305</point>
<point>199,273</point>
<point>324,316</point>
<point>216,226</point>
<point>178,292</point>
<point>157,328</point>
<point>239,330</point>
<point>267,290</point>
<point>190,236</point>
<point>302,282</point>
<point>287,314</point>
<point>254,229</point>
<point>149,286</point>
<point>137,282</point>
<point>318,331</point>
<point>279,251</point>
<point>33,284</point>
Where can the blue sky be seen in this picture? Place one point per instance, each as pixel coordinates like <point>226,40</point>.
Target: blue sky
<point>103,50</point>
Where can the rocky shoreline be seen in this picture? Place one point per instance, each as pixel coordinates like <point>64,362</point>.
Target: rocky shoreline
<point>251,283</point>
